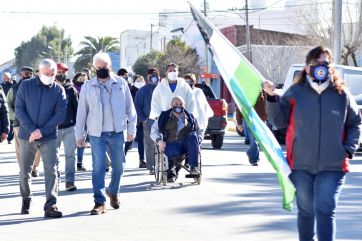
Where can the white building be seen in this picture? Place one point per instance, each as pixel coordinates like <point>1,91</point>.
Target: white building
<point>135,43</point>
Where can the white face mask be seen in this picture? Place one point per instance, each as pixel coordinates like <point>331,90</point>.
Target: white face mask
<point>46,80</point>
<point>139,84</point>
<point>172,75</point>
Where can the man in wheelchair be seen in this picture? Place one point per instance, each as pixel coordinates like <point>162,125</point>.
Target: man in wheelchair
<point>176,133</point>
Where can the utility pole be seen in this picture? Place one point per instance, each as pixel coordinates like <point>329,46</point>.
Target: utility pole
<point>247,33</point>
<point>151,37</point>
<point>206,48</point>
<point>337,31</point>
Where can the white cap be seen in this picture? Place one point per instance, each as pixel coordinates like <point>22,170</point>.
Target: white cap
<point>7,74</point>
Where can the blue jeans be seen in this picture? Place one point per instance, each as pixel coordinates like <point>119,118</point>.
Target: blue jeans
<point>253,151</point>
<point>317,197</point>
<point>80,154</point>
<point>246,130</point>
<point>114,143</point>
<point>189,145</point>
<point>67,136</point>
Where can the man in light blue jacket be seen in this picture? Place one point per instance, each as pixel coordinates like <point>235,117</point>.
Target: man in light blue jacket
<point>105,105</point>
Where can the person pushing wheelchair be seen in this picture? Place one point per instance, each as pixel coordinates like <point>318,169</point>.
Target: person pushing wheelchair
<point>176,133</point>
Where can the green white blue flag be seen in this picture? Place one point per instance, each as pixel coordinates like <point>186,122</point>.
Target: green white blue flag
<point>244,82</point>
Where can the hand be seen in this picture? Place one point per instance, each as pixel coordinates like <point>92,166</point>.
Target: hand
<point>161,145</point>
<point>4,136</point>
<point>36,135</point>
<point>240,128</point>
<point>269,87</point>
<point>81,143</point>
<point>130,138</point>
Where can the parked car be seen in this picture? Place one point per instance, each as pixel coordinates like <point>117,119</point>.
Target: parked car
<point>217,124</point>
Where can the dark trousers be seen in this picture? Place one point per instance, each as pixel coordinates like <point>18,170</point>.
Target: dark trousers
<point>189,146</point>
<point>11,132</point>
<point>139,139</point>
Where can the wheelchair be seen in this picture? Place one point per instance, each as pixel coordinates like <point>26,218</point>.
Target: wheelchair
<point>161,166</point>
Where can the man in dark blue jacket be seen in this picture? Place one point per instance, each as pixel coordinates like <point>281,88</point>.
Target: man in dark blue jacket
<point>142,104</point>
<point>40,107</point>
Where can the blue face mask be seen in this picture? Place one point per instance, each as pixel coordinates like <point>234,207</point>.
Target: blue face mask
<point>153,79</point>
<point>178,109</point>
<point>320,72</point>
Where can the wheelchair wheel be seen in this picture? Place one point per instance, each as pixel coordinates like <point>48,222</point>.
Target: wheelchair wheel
<point>157,166</point>
<point>198,180</point>
<point>164,168</point>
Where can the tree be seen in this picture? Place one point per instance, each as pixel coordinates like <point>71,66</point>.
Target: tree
<point>319,27</point>
<point>91,46</point>
<point>49,42</point>
<point>145,62</point>
<point>180,53</point>
<point>177,52</point>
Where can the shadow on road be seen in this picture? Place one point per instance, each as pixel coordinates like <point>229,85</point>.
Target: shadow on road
<point>266,199</point>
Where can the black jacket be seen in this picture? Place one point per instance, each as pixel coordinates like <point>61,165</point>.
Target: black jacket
<point>4,121</point>
<point>72,98</point>
<point>169,130</point>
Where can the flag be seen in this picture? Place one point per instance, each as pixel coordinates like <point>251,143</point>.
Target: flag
<point>244,83</point>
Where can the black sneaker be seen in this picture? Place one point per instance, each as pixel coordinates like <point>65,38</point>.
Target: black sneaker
<point>99,208</point>
<point>81,168</point>
<point>69,186</point>
<point>35,173</point>
<point>247,142</point>
<point>53,213</point>
<point>114,199</point>
<point>142,164</point>
<point>25,208</point>
<point>194,171</point>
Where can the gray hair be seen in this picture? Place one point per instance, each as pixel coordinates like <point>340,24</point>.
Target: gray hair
<point>103,57</point>
<point>48,63</point>
<point>178,98</point>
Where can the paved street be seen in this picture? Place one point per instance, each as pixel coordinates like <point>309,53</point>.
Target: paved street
<point>234,202</point>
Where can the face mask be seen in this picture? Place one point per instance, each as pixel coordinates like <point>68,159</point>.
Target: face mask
<point>172,75</point>
<point>102,73</point>
<point>153,79</point>
<point>26,77</point>
<point>46,80</point>
<point>319,73</point>
<point>178,109</point>
<point>61,77</point>
<point>190,83</point>
<point>138,84</point>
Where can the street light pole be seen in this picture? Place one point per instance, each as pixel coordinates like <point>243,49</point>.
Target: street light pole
<point>337,31</point>
<point>206,48</point>
<point>247,32</point>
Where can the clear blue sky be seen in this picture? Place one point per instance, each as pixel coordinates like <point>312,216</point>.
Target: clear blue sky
<point>30,16</point>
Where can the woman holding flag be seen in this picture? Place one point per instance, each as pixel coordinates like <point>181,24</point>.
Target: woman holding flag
<point>324,128</point>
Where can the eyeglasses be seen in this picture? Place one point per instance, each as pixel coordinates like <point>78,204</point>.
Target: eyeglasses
<point>61,72</point>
